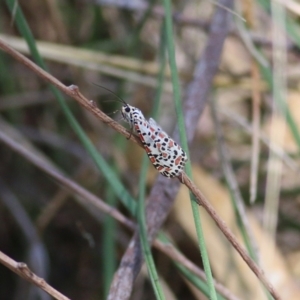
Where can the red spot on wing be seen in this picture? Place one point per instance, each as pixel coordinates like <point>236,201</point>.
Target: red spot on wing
<point>142,139</point>
<point>178,160</point>
<point>152,159</point>
<point>167,167</point>
<point>171,143</point>
<point>147,150</point>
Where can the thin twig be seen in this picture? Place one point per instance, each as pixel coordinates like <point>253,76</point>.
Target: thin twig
<point>36,253</point>
<point>22,270</point>
<point>276,149</point>
<point>202,201</point>
<point>232,181</point>
<point>74,92</point>
<point>61,178</point>
<point>173,253</point>
<point>71,91</point>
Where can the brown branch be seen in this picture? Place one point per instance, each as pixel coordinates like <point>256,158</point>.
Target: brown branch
<point>202,201</point>
<point>71,91</point>
<point>31,155</point>
<point>22,270</point>
<point>158,209</point>
<point>62,179</point>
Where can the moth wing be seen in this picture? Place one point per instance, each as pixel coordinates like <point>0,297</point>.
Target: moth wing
<point>153,123</point>
<point>142,128</point>
<point>149,131</point>
<point>169,156</point>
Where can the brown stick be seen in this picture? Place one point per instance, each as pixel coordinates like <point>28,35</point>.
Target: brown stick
<point>202,201</point>
<point>22,270</point>
<point>73,92</point>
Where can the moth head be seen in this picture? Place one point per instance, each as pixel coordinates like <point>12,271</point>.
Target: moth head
<point>127,112</point>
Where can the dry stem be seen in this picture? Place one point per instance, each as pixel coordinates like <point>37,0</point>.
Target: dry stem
<point>22,270</point>
<point>73,92</point>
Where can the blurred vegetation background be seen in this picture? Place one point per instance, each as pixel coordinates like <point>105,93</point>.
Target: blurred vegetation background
<point>256,99</point>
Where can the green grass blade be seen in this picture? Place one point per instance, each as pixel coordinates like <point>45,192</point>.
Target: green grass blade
<point>143,232</point>
<point>142,185</point>
<point>108,173</point>
<point>109,258</point>
<point>196,281</point>
<point>183,138</point>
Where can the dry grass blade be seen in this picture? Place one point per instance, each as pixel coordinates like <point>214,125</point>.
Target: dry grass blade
<point>275,165</point>
<point>113,65</point>
<point>256,133</point>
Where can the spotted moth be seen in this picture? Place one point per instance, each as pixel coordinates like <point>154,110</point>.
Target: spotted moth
<point>164,153</point>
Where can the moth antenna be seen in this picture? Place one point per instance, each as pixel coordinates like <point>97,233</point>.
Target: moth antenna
<point>118,97</point>
<point>110,114</point>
